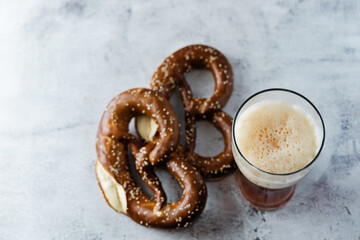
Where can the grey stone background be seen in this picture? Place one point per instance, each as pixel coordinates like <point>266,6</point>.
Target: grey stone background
<point>62,61</point>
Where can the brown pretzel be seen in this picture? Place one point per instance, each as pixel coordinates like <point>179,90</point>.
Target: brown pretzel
<point>171,73</point>
<point>112,167</point>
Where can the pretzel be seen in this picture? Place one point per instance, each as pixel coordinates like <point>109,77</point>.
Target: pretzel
<point>112,166</point>
<point>172,73</point>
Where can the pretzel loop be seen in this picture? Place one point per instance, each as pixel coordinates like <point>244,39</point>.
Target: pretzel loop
<point>172,70</point>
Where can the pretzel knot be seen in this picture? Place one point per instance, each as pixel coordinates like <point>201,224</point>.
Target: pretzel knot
<point>171,73</point>
<point>112,166</point>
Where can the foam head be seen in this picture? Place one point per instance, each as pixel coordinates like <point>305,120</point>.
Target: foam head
<point>276,137</point>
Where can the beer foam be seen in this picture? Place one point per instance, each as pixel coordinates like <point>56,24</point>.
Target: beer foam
<point>276,137</point>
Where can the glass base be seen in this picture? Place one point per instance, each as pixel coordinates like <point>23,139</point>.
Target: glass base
<point>263,198</point>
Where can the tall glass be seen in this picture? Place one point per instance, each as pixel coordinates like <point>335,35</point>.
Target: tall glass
<point>265,190</point>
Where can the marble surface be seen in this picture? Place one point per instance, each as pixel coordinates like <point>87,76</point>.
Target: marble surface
<point>62,61</point>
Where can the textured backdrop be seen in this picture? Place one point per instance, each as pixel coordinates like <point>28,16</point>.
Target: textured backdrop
<point>62,61</point>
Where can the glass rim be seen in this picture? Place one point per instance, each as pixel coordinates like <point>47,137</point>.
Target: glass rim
<point>284,90</point>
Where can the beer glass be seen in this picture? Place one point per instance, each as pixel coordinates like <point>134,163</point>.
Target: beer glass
<point>265,190</point>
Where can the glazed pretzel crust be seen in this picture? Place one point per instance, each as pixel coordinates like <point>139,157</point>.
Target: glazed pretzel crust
<point>172,73</point>
<point>112,167</point>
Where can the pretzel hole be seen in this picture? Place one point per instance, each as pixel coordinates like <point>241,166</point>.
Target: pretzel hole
<point>176,102</point>
<point>170,185</point>
<point>209,140</point>
<point>136,176</point>
<point>132,128</point>
<point>201,82</point>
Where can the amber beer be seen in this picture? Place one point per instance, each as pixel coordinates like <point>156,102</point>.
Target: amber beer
<point>273,143</point>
